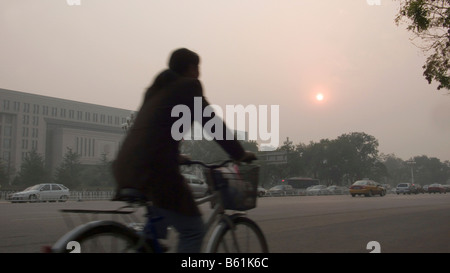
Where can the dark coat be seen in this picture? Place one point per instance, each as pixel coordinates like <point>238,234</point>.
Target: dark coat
<point>148,157</point>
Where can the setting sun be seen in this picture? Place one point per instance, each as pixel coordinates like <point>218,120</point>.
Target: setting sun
<point>319,97</point>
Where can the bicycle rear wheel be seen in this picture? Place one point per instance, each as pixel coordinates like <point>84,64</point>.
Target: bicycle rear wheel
<point>245,237</point>
<point>102,237</point>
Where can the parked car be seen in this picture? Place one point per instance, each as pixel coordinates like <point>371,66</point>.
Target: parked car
<point>317,190</point>
<point>281,190</point>
<point>446,187</point>
<point>198,187</point>
<point>261,192</point>
<point>41,192</point>
<point>419,188</point>
<point>337,190</point>
<point>403,188</point>
<point>436,188</point>
<point>367,188</point>
<point>407,188</point>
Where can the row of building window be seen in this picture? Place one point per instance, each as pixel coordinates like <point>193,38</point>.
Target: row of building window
<point>34,132</point>
<point>7,119</point>
<point>6,143</point>
<point>85,146</point>
<point>34,144</point>
<point>6,156</point>
<point>6,131</point>
<point>62,113</point>
<point>34,120</point>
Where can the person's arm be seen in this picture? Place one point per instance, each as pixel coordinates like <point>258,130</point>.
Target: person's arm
<point>231,146</point>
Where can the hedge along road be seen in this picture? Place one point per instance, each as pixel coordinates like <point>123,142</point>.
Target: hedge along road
<point>292,224</point>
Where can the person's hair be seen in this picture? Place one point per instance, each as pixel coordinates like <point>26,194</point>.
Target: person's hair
<point>181,59</point>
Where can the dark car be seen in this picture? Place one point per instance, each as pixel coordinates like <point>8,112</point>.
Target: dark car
<point>436,188</point>
<point>446,187</point>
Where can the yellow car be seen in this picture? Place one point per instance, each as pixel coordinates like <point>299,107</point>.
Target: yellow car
<point>367,188</point>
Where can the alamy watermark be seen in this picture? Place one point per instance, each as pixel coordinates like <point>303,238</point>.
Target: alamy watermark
<point>78,2</point>
<point>213,129</point>
<point>374,246</point>
<point>373,2</point>
<point>73,2</point>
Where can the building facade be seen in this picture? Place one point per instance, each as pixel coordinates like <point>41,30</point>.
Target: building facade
<point>51,126</point>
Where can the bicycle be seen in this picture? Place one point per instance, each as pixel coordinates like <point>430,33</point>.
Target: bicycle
<point>231,189</point>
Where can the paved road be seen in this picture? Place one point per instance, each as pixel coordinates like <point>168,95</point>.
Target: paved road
<point>324,224</point>
<point>344,224</point>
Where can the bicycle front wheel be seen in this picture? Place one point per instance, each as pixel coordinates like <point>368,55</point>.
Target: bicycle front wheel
<point>244,237</point>
<point>101,237</point>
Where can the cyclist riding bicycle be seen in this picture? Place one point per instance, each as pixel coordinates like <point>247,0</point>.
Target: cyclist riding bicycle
<point>149,158</point>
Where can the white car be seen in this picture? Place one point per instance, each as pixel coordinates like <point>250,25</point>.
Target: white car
<point>261,191</point>
<point>337,190</point>
<point>198,187</point>
<point>317,190</point>
<point>41,192</point>
<point>281,190</point>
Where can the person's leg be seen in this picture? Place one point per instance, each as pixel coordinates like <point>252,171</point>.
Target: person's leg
<point>191,230</point>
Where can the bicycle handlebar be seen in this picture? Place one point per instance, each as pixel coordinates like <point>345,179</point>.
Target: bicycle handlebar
<point>206,165</point>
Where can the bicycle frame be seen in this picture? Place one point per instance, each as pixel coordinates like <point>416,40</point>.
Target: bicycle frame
<point>218,215</point>
<point>215,222</point>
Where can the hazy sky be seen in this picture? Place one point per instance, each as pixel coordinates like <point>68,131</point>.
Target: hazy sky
<point>258,52</point>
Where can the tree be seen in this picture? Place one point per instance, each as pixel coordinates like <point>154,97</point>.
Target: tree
<point>360,154</point>
<point>379,172</point>
<point>98,176</point>
<point>104,172</point>
<point>397,169</point>
<point>428,170</point>
<point>343,160</point>
<point>293,165</point>
<point>314,156</point>
<point>272,173</point>
<point>250,145</point>
<point>429,20</point>
<point>209,151</point>
<point>68,173</point>
<point>32,171</point>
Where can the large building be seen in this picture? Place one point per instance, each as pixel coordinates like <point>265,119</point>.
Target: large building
<point>51,126</point>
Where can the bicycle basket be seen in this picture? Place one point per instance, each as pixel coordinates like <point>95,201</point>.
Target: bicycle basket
<point>237,186</point>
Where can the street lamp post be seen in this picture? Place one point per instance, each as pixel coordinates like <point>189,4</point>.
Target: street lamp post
<point>411,163</point>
